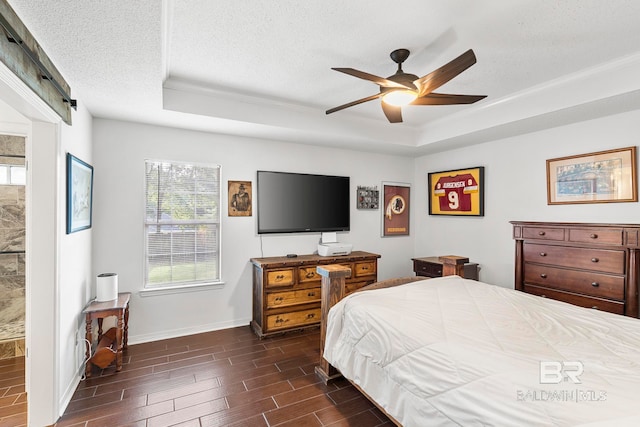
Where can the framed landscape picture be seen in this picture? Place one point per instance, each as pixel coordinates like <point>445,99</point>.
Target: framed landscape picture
<point>600,177</point>
<point>457,192</point>
<point>79,194</point>
<point>395,213</point>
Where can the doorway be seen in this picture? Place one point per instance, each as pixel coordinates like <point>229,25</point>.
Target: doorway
<point>12,246</point>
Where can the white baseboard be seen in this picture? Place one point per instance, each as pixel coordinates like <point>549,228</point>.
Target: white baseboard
<point>175,333</point>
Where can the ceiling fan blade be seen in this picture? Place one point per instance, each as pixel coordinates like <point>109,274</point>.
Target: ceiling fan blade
<point>437,78</point>
<point>446,99</point>
<point>381,81</point>
<point>393,113</point>
<point>352,103</point>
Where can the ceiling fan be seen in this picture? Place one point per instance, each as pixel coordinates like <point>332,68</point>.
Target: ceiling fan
<point>408,89</point>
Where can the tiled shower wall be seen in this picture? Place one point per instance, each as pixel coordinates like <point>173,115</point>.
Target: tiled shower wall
<point>12,257</point>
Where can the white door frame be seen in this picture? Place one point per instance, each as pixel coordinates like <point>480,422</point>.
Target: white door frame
<point>42,246</point>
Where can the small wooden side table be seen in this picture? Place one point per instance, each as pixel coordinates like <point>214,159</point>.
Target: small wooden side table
<point>434,267</point>
<point>118,307</point>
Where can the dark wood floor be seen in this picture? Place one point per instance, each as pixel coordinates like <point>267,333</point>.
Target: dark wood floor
<point>13,399</point>
<point>222,378</point>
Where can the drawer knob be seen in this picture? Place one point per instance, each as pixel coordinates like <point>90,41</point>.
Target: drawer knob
<point>594,236</point>
<point>541,233</point>
<point>543,275</point>
<point>311,294</point>
<point>365,267</point>
<point>311,315</point>
<point>543,254</point>
<point>594,260</point>
<point>279,277</point>
<point>595,284</point>
<point>310,274</point>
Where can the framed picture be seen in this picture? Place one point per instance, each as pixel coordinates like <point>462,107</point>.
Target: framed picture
<point>457,192</point>
<point>395,212</point>
<point>240,198</point>
<point>600,177</point>
<point>79,194</point>
<point>367,197</point>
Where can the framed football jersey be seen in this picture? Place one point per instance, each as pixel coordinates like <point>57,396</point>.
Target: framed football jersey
<point>457,192</point>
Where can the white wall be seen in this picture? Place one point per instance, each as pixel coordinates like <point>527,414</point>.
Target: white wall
<point>120,149</point>
<point>74,261</point>
<point>515,189</point>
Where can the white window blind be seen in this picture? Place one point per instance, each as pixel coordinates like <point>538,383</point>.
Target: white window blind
<point>182,224</point>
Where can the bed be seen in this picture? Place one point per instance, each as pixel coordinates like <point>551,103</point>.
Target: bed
<point>451,351</point>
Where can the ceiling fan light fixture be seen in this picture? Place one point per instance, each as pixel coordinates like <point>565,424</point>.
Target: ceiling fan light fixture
<point>400,97</point>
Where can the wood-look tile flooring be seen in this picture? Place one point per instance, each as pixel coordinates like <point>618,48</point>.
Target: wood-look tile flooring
<point>13,399</point>
<point>221,378</point>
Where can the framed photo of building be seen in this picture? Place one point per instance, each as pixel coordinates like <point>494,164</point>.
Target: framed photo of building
<point>240,198</point>
<point>395,212</point>
<point>600,177</point>
<point>79,194</point>
<point>457,192</point>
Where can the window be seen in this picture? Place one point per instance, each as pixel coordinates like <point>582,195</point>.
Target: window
<point>12,174</point>
<point>182,224</point>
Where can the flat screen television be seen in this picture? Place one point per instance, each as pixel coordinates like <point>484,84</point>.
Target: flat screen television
<point>295,202</point>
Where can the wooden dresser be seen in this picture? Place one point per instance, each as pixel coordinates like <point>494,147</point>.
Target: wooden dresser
<point>590,265</point>
<point>286,291</point>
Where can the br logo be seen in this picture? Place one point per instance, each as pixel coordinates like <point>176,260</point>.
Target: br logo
<point>555,372</point>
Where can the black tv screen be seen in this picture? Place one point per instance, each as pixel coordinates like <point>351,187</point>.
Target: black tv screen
<point>295,202</point>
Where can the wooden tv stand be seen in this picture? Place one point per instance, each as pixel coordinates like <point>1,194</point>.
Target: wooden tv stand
<point>286,291</point>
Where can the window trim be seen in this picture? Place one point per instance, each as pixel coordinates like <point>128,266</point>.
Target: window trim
<point>175,287</point>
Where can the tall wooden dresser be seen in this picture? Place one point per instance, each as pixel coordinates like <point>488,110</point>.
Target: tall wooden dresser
<point>590,265</point>
<point>286,291</point>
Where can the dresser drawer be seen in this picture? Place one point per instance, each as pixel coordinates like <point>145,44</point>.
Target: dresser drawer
<point>603,260</point>
<point>596,236</point>
<point>293,319</point>
<point>308,274</point>
<point>367,268</point>
<point>284,277</point>
<point>428,269</point>
<point>543,233</point>
<point>582,282</point>
<point>581,300</point>
<point>284,299</point>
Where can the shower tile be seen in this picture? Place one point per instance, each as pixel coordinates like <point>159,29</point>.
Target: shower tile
<point>12,145</point>
<point>11,287</point>
<point>11,240</point>
<point>8,265</point>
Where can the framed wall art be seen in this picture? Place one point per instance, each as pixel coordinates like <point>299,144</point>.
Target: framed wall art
<point>239,198</point>
<point>600,177</point>
<point>79,194</point>
<point>457,192</point>
<point>395,212</point>
<point>367,197</point>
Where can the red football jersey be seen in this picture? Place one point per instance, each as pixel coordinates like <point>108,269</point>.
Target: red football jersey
<point>454,192</point>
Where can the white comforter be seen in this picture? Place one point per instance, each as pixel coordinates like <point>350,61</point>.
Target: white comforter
<point>451,351</point>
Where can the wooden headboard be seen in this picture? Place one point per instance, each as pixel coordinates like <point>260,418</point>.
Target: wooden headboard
<point>586,264</point>
<point>333,290</point>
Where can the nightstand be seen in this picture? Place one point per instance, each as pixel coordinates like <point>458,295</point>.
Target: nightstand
<point>432,267</point>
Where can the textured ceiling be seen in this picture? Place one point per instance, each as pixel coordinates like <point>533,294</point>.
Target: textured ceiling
<point>263,68</point>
